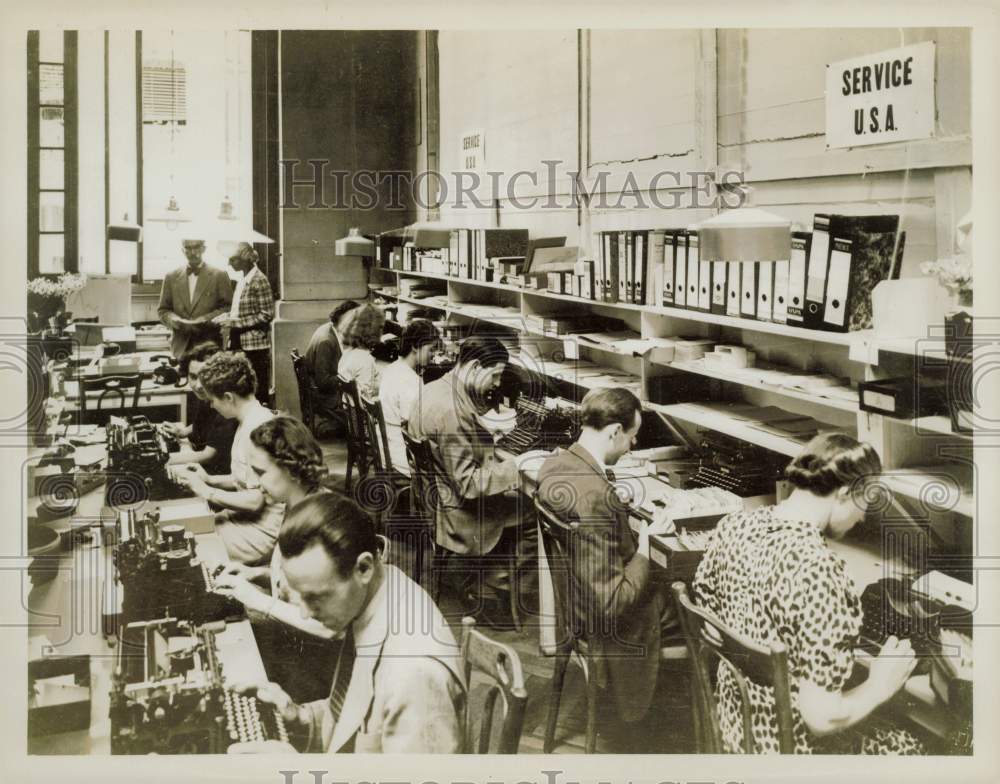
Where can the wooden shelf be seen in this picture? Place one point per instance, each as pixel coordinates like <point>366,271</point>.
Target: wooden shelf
<point>935,487</point>
<point>713,419</point>
<point>799,333</point>
<point>429,302</point>
<point>735,378</point>
<point>936,424</point>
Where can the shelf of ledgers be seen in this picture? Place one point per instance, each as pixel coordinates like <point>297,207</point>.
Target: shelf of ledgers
<point>665,355</point>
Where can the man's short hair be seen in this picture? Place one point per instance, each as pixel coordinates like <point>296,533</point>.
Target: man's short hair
<point>344,307</point>
<point>488,350</point>
<point>335,522</point>
<point>608,406</point>
<point>417,334</point>
<point>199,352</point>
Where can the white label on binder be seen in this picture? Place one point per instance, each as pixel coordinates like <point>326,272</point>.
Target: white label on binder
<point>705,285</point>
<point>797,282</point>
<point>680,279</point>
<point>779,312</point>
<point>638,262</point>
<point>748,298</point>
<point>835,310</point>
<point>718,285</point>
<point>692,271</point>
<point>816,274</point>
<point>765,290</point>
<point>733,289</point>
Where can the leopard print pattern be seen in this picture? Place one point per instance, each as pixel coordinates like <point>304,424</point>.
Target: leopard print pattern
<point>771,580</point>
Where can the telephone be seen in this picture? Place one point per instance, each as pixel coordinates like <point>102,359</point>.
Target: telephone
<point>166,372</point>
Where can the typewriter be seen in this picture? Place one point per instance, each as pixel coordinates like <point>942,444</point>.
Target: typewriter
<point>167,694</point>
<point>736,466</point>
<point>896,607</point>
<point>160,574</point>
<point>137,463</point>
<point>540,427</point>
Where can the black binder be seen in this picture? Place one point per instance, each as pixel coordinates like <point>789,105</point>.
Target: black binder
<point>856,266</point>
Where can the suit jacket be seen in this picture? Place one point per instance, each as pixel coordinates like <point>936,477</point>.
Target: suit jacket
<point>612,594</point>
<point>212,295</point>
<point>255,314</point>
<point>407,692</point>
<point>323,358</point>
<point>471,508</point>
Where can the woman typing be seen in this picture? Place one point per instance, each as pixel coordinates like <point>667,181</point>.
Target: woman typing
<point>770,576</point>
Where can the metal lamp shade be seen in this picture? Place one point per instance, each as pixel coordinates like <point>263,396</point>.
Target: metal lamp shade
<point>745,235</point>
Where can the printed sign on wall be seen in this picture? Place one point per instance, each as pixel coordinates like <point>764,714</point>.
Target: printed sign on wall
<point>882,97</point>
<point>472,150</point>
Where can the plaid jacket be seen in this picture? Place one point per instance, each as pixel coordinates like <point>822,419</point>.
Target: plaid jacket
<point>256,312</point>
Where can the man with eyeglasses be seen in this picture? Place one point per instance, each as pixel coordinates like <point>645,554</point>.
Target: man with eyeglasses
<point>191,297</point>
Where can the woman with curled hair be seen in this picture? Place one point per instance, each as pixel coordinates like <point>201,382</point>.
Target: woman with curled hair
<point>769,575</point>
<point>247,521</point>
<point>362,332</point>
<point>288,464</point>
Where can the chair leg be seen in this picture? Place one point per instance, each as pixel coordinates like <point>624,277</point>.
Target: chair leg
<point>591,737</point>
<point>555,697</point>
<point>514,593</point>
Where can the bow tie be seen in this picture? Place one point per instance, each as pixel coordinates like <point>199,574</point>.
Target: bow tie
<point>193,270</point>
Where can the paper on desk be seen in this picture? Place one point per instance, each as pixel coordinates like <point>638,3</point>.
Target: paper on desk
<point>89,455</point>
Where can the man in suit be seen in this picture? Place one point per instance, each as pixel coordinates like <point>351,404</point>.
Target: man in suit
<point>395,689</point>
<point>613,593</point>
<point>191,297</point>
<point>476,495</point>
<point>323,359</point>
<point>250,316</point>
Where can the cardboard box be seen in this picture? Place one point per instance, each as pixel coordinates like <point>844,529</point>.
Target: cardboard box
<point>195,516</point>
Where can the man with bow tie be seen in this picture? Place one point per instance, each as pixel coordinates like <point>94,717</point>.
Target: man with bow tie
<point>191,297</point>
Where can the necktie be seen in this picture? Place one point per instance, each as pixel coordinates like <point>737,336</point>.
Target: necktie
<point>342,675</point>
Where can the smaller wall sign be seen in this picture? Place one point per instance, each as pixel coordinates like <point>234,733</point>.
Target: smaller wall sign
<point>883,97</point>
<point>472,150</point>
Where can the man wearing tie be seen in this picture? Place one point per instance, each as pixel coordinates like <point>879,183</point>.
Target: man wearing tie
<point>191,297</point>
<point>398,686</point>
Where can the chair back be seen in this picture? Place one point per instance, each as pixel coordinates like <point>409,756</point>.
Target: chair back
<point>711,642</point>
<point>307,388</point>
<point>419,459</point>
<point>374,422</point>
<point>558,538</point>
<point>111,386</point>
<point>502,665</point>
<point>357,429</point>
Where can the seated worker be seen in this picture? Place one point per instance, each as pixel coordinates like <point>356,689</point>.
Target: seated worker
<point>248,523</point>
<point>769,575</point>
<point>401,384</point>
<point>614,595</point>
<point>210,435</point>
<point>322,357</point>
<point>397,687</point>
<point>476,496</point>
<point>362,332</point>
<point>289,466</point>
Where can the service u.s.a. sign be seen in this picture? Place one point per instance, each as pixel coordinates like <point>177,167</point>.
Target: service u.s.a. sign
<point>881,97</point>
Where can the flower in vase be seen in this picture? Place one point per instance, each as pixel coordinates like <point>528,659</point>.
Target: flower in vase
<point>954,273</point>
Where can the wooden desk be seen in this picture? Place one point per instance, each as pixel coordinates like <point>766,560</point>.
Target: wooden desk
<point>915,702</point>
<point>150,395</point>
<point>65,618</point>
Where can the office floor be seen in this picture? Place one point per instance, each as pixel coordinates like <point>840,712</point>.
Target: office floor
<point>667,729</point>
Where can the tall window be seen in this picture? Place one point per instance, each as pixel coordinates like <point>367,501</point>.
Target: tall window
<point>196,140</point>
<point>52,153</point>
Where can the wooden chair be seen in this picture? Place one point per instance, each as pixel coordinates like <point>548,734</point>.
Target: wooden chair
<point>359,451</point>
<point>427,478</point>
<point>571,643</point>
<point>712,642</point>
<point>110,386</point>
<point>307,389</point>
<point>501,663</point>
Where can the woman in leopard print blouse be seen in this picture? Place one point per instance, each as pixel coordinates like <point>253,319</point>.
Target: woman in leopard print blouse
<point>769,575</point>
